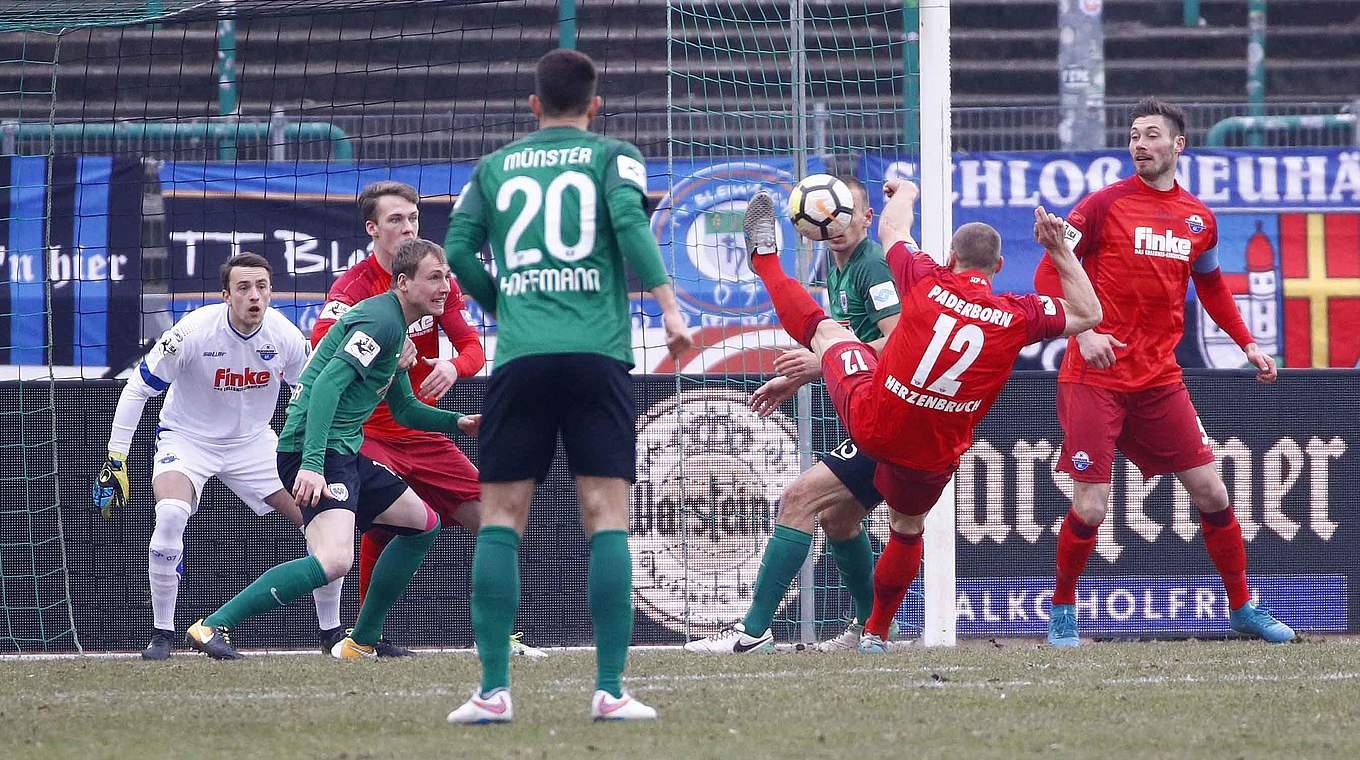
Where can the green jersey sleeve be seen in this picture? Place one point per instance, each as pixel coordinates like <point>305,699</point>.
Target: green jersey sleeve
<point>365,341</point>
<point>323,400</point>
<point>625,185</point>
<point>466,236</point>
<point>875,281</point>
<point>413,413</point>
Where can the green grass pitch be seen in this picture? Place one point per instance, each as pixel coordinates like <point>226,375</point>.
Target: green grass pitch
<point>1229,699</point>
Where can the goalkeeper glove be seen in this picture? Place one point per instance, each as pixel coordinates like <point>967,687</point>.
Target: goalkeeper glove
<point>111,488</point>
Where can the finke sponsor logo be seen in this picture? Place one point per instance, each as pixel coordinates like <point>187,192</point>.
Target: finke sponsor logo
<point>229,380</point>
<point>1164,245</point>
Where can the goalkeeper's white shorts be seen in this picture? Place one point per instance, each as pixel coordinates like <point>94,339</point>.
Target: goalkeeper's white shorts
<point>248,469</point>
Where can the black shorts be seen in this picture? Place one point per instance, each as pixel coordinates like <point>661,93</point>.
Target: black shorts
<point>855,469</point>
<point>353,482</point>
<point>588,398</point>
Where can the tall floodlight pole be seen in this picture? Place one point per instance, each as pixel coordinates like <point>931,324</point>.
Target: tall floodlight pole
<point>1081,72</point>
<point>1256,66</point>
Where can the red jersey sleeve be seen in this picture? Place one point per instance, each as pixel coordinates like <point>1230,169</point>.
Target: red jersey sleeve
<point>908,264</point>
<point>1044,317</point>
<point>464,337</point>
<point>337,303</point>
<point>1081,232</point>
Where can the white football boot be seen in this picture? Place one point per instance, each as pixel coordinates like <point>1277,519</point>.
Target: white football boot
<point>603,706</point>
<point>732,640</point>
<point>489,708</point>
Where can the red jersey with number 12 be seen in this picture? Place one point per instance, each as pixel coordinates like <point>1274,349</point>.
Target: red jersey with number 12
<point>1138,245</point>
<point>945,362</point>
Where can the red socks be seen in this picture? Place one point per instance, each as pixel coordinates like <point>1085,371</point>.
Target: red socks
<point>371,545</point>
<point>1076,540</point>
<point>896,569</point>
<point>1223,541</point>
<point>798,313</point>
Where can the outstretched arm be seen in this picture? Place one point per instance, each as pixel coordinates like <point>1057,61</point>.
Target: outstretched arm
<point>1078,297</point>
<point>894,224</point>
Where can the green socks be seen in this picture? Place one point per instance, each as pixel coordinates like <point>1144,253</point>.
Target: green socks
<point>855,560</point>
<point>784,555</point>
<point>611,607</point>
<point>397,564</point>
<point>495,600</point>
<point>278,586</point>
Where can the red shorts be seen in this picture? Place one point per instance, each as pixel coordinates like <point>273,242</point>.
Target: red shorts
<point>908,491</point>
<point>848,369</point>
<point>432,466</point>
<point>1156,428</point>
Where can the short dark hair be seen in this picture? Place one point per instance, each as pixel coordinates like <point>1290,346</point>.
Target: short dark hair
<point>1174,115</point>
<point>409,255</point>
<point>976,245</point>
<point>857,188</point>
<point>565,82</point>
<point>244,260</point>
<point>368,199</point>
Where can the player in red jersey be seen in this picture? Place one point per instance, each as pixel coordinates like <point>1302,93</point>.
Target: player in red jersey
<point>1142,240</point>
<point>429,462</point>
<point>913,409</point>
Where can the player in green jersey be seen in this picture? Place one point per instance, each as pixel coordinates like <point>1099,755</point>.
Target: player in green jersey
<point>840,488</point>
<point>562,209</point>
<point>337,488</point>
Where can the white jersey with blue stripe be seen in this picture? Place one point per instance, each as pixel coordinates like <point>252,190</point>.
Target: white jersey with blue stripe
<point>223,385</point>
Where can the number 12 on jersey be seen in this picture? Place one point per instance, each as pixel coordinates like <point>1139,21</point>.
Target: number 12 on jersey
<point>968,341</point>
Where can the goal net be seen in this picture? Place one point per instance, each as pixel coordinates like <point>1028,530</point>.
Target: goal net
<point>145,141</point>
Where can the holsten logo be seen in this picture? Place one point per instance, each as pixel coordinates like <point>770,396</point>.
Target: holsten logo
<point>708,482</point>
<point>246,379</point>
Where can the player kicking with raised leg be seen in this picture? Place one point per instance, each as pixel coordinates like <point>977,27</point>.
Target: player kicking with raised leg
<point>336,487</point>
<point>913,409</point>
<point>838,491</point>
<point>562,209</point>
<point>1143,239</point>
<point>223,365</point>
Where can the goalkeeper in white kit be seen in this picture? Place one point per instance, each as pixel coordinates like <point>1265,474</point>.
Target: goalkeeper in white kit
<point>223,365</point>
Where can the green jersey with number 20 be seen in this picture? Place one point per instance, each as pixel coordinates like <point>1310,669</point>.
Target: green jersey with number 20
<point>562,209</point>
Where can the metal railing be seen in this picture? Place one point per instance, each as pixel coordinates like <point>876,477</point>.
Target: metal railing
<point>458,137</point>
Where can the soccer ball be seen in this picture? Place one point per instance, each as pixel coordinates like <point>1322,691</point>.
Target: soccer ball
<point>821,207</point>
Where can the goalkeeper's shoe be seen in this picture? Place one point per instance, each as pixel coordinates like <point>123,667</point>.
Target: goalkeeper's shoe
<point>329,638</point>
<point>385,648</point>
<point>485,708</point>
<point>519,649</point>
<point>1259,622</point>
<point>603,706</point>
<point>733,640</point>
<point>110,489</point>
<point>872,644</point>
<point>162,643</point>
<point>1062,627</point>
<point>848,640</point>
<point>212,641</point>
<point>758,225</point>
<point>349,649</point>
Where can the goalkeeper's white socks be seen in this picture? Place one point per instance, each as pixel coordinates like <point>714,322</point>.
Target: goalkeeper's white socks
<point>327,600</point>
<point>165,560</point>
